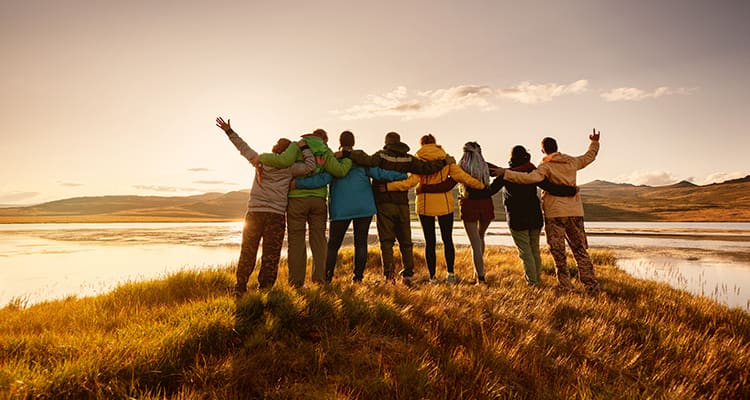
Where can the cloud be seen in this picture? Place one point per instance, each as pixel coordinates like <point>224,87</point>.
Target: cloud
<point>198,169</point>
<point>636,94</point>
<point>400,102</point>
<point>215,183</point>
<point>12,197</point>
<point>70,184</point>
<point>529,93</point>
<point>649,178</point>
<point>719,177</point>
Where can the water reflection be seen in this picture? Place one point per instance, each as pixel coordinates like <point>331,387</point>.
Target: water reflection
<point>47,261</point>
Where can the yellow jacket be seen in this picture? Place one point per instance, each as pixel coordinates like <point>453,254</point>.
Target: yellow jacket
<point>435,204</point>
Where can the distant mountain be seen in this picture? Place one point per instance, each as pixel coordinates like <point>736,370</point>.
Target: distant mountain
<point>731,181</point>
<point>603,201</point>
<point>682,184</point>
<point>205,207</point>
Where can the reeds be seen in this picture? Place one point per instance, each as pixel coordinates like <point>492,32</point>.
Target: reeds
<point>185,337</point>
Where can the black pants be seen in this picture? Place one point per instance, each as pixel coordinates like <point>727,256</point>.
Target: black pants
<point>446,232</point>
<point>336,235</point>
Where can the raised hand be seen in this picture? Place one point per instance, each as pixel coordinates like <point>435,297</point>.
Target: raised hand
<point>594,136</point>
<point>225,126</point>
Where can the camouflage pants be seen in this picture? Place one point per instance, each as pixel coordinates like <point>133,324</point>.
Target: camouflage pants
<point>270,228</point>
<point>560,229</point>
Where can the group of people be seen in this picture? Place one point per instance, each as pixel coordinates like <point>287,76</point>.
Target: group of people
<point>299,185</point>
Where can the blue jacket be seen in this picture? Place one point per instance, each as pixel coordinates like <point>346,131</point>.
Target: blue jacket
<point>351,196</point>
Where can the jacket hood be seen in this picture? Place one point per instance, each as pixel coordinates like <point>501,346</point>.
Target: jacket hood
<point>316,144</point>
<point>527,167</point>
<point>430,152</point>
<point>397,148</point>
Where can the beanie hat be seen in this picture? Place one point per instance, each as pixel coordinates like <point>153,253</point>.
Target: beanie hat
<point>392,138</point>
<point>346,139</point>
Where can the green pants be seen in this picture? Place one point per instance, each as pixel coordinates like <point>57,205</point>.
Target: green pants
<point>394,224</point>
<point>301,213</point>
<point>527,243</point>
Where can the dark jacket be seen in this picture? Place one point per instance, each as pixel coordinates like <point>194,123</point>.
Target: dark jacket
<point>394,157</point>
<point>522,207</point>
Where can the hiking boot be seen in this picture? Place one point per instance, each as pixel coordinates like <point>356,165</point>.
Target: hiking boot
<point>390,278</point>
<point>481,281</point>
<point>433,281</point>
<point>406,280</point>
<point>451,278</point>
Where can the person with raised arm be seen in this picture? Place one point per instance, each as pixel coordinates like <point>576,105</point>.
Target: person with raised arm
<point>522,208</point>
<point>563,216</point>
<point>307,208</point>
<point>266,208</point>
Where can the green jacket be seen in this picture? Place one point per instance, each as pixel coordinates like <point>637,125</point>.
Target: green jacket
<point>324,161</point>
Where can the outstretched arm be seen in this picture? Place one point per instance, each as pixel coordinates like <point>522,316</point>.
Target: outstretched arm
<point>335,167</point>
<point>462,176</point>
<point>442,187</point>
<point>359,157</point>
<point>245,149</point>
<point>283,160</point>
<point>305,167</point>
<point>420,167</point>
<point>557,190</point>
<point>403,185</point>
<point>314,181</point>
<point>380,174</point>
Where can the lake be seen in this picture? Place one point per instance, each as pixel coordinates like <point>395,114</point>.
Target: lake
<point>41,262</point>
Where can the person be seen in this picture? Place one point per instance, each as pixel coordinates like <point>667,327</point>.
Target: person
<point>351,202</point>
<point>563,216</point>
<point>524,214</point>
<point>266,208</point>
<point>477,208</point>
<point>393,222</point>
<point>307,207</point>
<point>437,205</point>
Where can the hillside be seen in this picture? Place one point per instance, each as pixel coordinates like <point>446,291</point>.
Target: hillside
<point>185,337</point>
<point>603,201</point>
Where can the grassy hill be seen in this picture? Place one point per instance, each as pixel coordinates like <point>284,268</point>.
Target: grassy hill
<point>185,337</point>
<point>603,201</point>
<point>729,201</point>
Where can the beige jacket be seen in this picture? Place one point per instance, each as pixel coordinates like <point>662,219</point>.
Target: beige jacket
<point>561,169</point>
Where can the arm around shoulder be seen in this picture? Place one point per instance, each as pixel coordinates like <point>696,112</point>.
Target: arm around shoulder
<point>337,168</point>
<point>462,176</point>
<point>403,185</point>
<point>283,160</point>
<point>534,176</point>
<point>305,167</point>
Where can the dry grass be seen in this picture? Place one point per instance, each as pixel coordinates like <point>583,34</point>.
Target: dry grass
<point>185,337</point>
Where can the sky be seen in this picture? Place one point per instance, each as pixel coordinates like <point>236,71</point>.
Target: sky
<point>112,97</point>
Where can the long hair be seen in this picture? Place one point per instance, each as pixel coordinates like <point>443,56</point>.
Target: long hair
<point>474,164</point>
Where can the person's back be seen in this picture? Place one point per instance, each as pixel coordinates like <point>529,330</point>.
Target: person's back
<point>522,207</point>
<point>562,169</point>
<point>563,217</point>
<point>265,217</point>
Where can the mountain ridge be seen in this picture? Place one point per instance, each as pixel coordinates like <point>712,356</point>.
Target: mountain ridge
<point>603,201</point>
